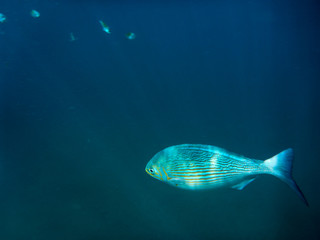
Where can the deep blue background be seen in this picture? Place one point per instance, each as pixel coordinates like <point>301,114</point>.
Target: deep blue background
<point>80,120</point>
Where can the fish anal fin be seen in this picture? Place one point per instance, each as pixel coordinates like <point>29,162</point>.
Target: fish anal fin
<point>243,184</point>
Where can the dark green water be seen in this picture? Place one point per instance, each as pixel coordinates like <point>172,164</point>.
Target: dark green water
<point>79,120</point>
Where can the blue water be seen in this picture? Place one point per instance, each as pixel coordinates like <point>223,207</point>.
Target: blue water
<point>79,120</point>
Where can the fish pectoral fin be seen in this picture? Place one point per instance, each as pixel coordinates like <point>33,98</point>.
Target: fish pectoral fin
<point>175,181</point>
<point>243,184</point>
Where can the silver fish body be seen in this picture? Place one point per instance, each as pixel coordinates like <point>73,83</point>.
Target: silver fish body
<point>196,166</point>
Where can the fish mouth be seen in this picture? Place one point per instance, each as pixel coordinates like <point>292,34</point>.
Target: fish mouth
<point>146,169</point>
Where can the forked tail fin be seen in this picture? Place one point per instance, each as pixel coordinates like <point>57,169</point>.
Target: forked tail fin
<point>281,167</point>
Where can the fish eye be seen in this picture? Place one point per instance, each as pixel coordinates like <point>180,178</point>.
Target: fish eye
<point>151,170</point>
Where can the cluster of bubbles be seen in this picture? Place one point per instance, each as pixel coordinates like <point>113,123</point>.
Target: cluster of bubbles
<point>35,14</point>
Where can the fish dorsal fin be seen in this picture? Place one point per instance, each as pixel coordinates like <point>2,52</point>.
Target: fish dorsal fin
<point>243,184</point>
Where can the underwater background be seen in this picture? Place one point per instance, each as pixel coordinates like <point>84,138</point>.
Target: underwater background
<point>81,116</point>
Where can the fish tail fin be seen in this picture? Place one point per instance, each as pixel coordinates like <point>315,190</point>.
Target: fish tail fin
<point>281,167</point>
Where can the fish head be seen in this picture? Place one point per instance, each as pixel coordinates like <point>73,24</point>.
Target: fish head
<point>156,167</point>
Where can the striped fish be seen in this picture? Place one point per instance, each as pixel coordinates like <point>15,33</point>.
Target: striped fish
<point>196,166</point>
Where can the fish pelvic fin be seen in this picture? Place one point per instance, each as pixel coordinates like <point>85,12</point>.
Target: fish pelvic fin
<point>281,167</point>
<point>243,184</point>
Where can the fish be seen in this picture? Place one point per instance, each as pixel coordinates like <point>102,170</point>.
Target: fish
<point>130,35</point>
<point>2,18</point>
<point>34,13</point>
<point>197,166</point>
<point>105,27</point>
<point>72,37</point>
